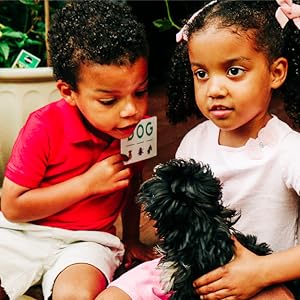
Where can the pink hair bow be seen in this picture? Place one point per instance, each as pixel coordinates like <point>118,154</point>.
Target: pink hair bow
<point>181,35</point>
<point>286,11</point>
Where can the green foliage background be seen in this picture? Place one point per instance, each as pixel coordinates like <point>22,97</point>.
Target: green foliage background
<point>22,26</point>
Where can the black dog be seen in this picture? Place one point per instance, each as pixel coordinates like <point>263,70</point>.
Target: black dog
<point>195,229</point>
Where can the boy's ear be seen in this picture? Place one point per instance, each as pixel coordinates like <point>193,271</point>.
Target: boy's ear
<point>65,91</point>
<point>279,69</point>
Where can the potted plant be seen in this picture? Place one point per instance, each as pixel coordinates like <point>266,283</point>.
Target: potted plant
<point>23,90</point>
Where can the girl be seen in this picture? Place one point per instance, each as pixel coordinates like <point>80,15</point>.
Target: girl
<point>65,183</point>
<point>232,60</point>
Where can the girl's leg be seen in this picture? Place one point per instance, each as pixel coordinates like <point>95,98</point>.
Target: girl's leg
<point>79,281</point>
<point>276,292</point>
<point>113,293</point>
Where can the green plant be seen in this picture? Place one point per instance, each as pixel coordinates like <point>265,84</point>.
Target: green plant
<point>165,23</point>
<point>24,25</point>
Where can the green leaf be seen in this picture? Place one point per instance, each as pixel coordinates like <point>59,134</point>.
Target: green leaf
<point>34,42</point>
<point>162,24</point>
<point>28,2</point>
<point>20,44</point>
<point>4,50</point>
<point>14,34</point>
<point>4,28</point>
<point>35,5</point>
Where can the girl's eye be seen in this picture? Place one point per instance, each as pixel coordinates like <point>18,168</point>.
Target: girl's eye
<point>108,102</point>
<point>235,71</point>
<point>201,74</point>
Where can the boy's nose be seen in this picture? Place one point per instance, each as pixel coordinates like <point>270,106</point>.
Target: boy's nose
<point>129,109</point>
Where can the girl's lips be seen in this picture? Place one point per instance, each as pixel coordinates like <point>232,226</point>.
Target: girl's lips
<point>220,113</point>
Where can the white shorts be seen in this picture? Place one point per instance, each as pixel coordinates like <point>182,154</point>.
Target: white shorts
<point>31,253</point>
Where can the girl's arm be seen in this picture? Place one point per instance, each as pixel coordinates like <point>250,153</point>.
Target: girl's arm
<point>22,204</point>
<point>248,273</point>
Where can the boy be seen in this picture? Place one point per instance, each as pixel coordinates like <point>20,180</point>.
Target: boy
<point>65,183</point>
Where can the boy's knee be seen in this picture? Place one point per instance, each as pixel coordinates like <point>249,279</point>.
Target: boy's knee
<point>113,293</point>
<point>69,292</point>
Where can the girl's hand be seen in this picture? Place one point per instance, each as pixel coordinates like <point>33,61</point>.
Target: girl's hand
<point>107,175</point>
<point>137,251</point>
<point>239,279</point>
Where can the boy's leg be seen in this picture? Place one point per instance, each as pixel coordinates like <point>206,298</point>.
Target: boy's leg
<point>81,271</point>
<point>113,293</point>
<point>21,266</point>
<point>79,281</point>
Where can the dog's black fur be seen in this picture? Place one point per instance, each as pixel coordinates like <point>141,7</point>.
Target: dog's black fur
<point>195,229</point>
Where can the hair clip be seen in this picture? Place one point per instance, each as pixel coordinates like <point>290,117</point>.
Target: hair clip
<point>181,35</point>
<point>286,11</point>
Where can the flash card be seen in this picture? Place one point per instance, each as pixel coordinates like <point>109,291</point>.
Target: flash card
<point>142,144</point>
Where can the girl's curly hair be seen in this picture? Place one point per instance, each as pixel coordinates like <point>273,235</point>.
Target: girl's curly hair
<point>95,31</point>
<point>270,38</point>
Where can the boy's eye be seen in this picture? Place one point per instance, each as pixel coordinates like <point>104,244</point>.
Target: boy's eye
<point>201,74</point>
<point>141,93</point>
<point>235,71</point>
<point>108,101</point>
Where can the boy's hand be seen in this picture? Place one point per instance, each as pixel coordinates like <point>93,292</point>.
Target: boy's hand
<point>239,279</point>
<point>107,175</point>
<point>137,251</point>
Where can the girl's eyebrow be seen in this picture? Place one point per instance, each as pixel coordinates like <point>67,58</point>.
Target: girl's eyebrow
<point>226,62</point>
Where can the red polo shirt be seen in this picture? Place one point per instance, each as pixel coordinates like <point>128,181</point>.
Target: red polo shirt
<point>55,145</point>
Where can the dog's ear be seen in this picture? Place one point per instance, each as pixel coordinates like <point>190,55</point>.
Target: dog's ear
<point>181,183</point>
<point>182,190</point>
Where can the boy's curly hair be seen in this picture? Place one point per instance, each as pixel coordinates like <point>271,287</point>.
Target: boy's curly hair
<point>96,31</point>
<point>270,38</point>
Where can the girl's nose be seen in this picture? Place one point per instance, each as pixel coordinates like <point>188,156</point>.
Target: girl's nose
<point>129,109</point>
<point>216,88</point>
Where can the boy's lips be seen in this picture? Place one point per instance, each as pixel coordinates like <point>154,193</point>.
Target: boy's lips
<point>128,130</point>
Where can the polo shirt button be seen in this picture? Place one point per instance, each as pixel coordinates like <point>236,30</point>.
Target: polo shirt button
<point>261,144</point>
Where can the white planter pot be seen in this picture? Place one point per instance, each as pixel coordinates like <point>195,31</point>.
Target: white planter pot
<point>21,92</point>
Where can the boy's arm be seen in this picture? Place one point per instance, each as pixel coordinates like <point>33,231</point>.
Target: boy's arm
<point>22,204</point>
